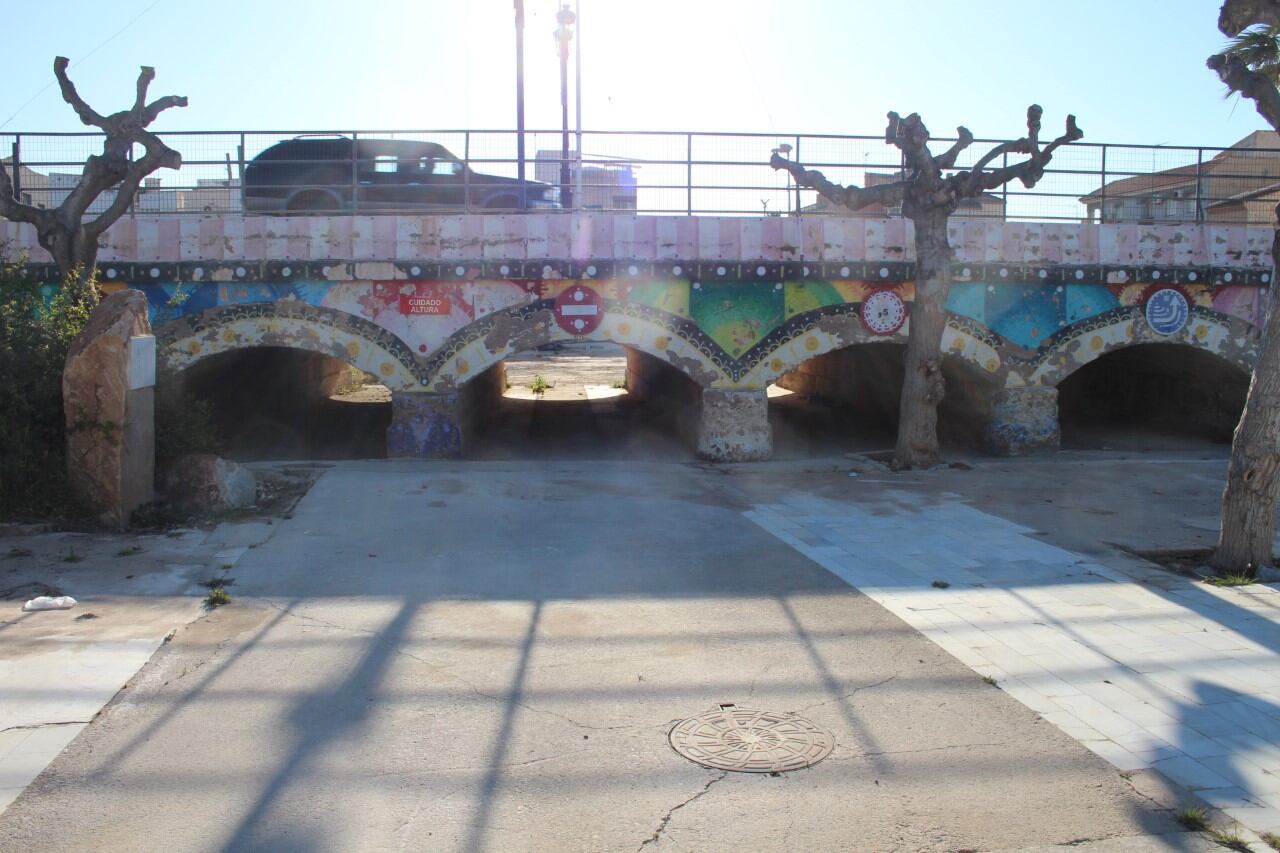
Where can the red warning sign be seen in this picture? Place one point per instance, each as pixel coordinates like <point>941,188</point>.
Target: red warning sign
<point>420,304</point>
<point>579,310</point>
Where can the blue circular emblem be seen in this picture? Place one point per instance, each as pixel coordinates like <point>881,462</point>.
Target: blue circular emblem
<point>1167,311</point>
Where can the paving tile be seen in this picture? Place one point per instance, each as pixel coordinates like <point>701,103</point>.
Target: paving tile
<point>1192,773</point>
<point>1181,677</point>
<point>1117,755</point>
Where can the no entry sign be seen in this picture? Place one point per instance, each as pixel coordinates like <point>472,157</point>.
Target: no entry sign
<point>579,310</point>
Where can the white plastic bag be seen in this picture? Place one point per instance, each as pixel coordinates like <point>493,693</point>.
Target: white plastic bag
<point>44,602</point>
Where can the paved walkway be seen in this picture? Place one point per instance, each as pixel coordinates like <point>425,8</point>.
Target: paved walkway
<point>59,668</point>
<point>1146,669</point>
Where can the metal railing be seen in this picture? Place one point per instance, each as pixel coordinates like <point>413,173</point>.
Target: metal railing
<point>648,172</point>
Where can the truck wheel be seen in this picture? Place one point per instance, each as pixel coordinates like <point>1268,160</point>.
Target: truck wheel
<point>503,202</point>
<point>314,202</point>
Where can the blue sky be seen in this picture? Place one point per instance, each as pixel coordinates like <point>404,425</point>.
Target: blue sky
<point>1132,70</point>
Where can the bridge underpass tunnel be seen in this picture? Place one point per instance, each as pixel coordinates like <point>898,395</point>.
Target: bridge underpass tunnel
<point>848,400</point>
<point>588,399</point>
<point>282,403</point>
<point>1152,397</point>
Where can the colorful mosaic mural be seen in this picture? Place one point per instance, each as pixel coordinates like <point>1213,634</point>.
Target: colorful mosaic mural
<point>436,334</point>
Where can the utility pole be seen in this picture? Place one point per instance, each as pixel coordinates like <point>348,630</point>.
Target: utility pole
<point>565,18</point>
<point>520,103</point>
<point>577,104</point>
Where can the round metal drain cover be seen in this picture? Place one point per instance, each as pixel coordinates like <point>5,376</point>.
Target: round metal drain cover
<point>750,741</point>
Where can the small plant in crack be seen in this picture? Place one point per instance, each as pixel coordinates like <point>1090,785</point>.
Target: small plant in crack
<point>130,551</point>
<point>1229,840</point>
<point>539,385</point>
<point>940,584</point>
<point>990,679</point>
<point>1271,840</point>
<point>217,596</point>
<point>1230,580</point>
<point>72,556</point>
<point>1193,818</point>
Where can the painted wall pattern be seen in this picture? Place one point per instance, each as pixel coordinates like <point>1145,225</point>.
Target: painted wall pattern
<point>734,303</point>
<point>722,334</point>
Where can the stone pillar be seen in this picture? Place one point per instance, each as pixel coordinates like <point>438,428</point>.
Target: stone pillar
<point>108,395</point>
<point>1023,420</point>
<point>426,426</point>
<point>733,425</point>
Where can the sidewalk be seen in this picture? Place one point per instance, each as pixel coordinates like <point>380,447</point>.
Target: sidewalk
<point>1146,669</point>
<point>60,668</point>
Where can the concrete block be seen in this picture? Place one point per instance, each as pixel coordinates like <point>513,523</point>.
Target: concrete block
<point>733,425</point>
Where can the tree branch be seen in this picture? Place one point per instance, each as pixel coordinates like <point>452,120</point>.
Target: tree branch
<point>144,80</point>
<point>964,140</point>
<point>160,105</point>
<point>911,137</point>
<point>16,211</point>
<point>1029,171</point>
<point>854,198</point>
<point>1239,78</point>
<point>72,97</point>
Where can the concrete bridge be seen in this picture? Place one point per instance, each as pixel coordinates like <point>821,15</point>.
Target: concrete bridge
<point>711,310</point>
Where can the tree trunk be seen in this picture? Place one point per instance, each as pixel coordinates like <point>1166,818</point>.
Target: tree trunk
<point>1249,501</point>
<point>922,387</point>
<point>72,250</point>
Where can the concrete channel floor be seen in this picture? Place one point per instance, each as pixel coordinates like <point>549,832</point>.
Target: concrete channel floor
<point>488,656</point>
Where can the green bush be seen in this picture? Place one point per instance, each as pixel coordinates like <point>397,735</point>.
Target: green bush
<point>37,326</point>
<point>184,424</point>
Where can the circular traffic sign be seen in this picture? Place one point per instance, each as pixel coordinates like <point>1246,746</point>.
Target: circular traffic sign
<point>579,310</point>
<point>1167,311</point>
<point>883,312</point>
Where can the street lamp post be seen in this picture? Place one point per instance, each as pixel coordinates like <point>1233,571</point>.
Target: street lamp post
<point>565,18</point>
<point>520,102</point>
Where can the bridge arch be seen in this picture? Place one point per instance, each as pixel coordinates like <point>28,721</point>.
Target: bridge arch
<point>820,333</point>
<point>293,325</point>
<point>1229,338</point>
<point>473,350</point>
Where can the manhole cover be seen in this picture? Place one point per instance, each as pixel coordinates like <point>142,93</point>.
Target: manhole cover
<point>750,741</point>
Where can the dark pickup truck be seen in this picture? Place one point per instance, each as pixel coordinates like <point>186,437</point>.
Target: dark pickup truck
<point>336,174</point>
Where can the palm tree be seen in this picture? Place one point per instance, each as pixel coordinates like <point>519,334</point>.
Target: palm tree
<point>1258,48</point>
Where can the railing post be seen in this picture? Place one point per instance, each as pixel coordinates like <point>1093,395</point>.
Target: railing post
<point>355,178</point>
<point>688,173</point>
<point>1102,210</point>
<point>133,202</point>
<point>798,160</point>
<point>1199,192</point>
<point>17,167</point>
<point>1004,193</point>
<point>466,171</point>
<point>240,169</point>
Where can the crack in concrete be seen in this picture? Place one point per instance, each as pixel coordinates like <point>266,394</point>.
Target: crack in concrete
<point>418,771</point>
<point>444,671</point>
<point>856,690</point>
<point>46,725</point>
<point>666,819</point>
<point>931,749</point>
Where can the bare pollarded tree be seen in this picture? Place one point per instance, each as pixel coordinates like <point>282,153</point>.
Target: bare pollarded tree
<point>929,193</point>
<point>1253,477</point>
<point>62,230</point>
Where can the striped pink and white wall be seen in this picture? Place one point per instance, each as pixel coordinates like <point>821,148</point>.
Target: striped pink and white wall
<point>569,236</point>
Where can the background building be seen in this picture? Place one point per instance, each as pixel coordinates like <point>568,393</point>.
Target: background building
<point>606,185</point>
<point>1239,185</point>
